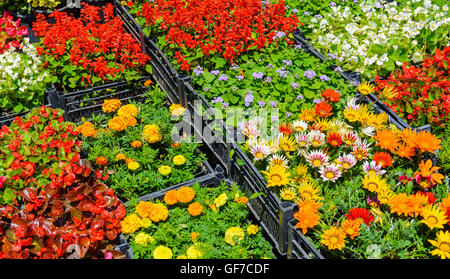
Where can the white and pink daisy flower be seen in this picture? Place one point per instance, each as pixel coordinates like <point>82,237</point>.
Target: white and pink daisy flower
<point>330,172</point>
<point>317,158</point>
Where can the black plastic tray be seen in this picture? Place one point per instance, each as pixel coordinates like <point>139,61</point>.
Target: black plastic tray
<point>299,246</point>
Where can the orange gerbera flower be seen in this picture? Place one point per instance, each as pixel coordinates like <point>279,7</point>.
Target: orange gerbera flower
<point>307,218</point>
<point>323,109</point>
<point>383,158</point>
<point>445,206</point>
<point>408,136</point>
<point>334,139</point>
<point>309,204</point>
<point>307,115</point>
<point>428,171</point>
<point>426,141</point>
<point>331,95</point>
<point>286,128</point>
<point>170,197</point>
<point>387,139</point>
<point>408,205</point>
<point>405,151</point>
<point>351,227</point>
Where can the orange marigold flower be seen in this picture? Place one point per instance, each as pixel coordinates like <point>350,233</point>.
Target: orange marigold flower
<point>128,111</point>
<point>185,194</point>
<point>387,139</point>
<point>147,82</point>
<point>194,235</point>
<point>129,160</point>
<point>160,212</point>
<point>243,200</point>
<point>120,157</point>
<point>195,209</point>
<point>331,95</point>
<point>111,105</point>
<point>144,209</point>
<point>171,197</point>
<point>323,109</point>
<point>351,227</point>
<point>136,144</point>
<point>118,123</point>
<point>87,129</point>
<point>426,141</point>
<point>102,161</point>
<point>131,121</point>
<point>383,158</point>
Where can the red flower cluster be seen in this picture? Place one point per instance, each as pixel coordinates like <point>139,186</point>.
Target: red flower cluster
<point>64,222</point>
<point>423,92</point>
<point>11,33</point>
<point>98,48</point>
<point>227,27</point>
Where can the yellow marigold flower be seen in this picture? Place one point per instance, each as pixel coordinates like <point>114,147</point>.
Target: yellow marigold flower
<point>179,160</point>
<point>433,217</point>
<point>136,144</point>
<point>182,257</point>
<point>87,129</point>
<point>131,121</point>
<point>185,194</point>
<point>120,157</point>
<point>144,209</point>
<point>143,239</point>
<point>162,252</point>
<point>252,229</point>
<point>118,123</point>
<point>193,252</point>
<point>333,238</point>
<point>145,223</point>
<point>170,197</point>
<point>130,224</point>
<point>213,207</point>
<point>165,170</point>
<point>351,227</point>
<point>151,133</point>
<point>176,110</point>
<point>195,209</point>
<point>128,111</point>
<point>442,244</point>
<point>111,105</point>
<point>234,235</point>
<point>221,200</point>
<point>194,236</point>
<point>160,213</point>
<point>133,165</point>
<point>129,160</point>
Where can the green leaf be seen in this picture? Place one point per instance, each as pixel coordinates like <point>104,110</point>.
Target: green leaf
<point>208,77</point>
<point>231,153</point>
<point>149,69</point>
<point>255,195</point>
<point>18,107</point>
<point>308,93</point>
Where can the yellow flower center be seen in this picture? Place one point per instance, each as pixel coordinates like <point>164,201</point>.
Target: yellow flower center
<point>317,162</point>
<point>286,146</point>
<point>372,186</point>
<point>259,155</point>
<point>315,143</point>
<point>432,220</point>
<point>444,246</point>
<point>334,239</point>
<point>346,165</point>
<point>330,175</point>
<point>276,178</point>
<point>303,143</point>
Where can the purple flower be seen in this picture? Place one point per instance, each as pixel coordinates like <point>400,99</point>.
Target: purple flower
<point>217,100</point>
<point>268,79</point>
<point>273,104</point>
<point>248,99</point>
<point>223,77</point>
<point>287,62</point>
<point>310,74</point>
<point>198,70</point>
<point>288,114</point>
<point>235,67</point>
<point>338,69</point>
<point>297,46</point>
<point>279,35</point>
<point>274,118</point>
<point>332,4</point>
<point>318,101</point>
<point>215,72</point>
<point>332,56</point>
<point>270,65</point>
<point>294,11</point>
<point>282,72</point>
<point>318,16</point>
<point>261,103</point>
<point>355,1</point>
<point>206,89</point>
<point>225,105</point>
<point>240,77</point>
<point>306,13</point>
<point>378,5</point>
<point>258,75</point>
<point>294,85</point>
<point>324,78</point>
<point>299,97</point>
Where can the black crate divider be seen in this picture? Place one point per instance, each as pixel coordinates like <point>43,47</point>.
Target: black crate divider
<point>299,247</point>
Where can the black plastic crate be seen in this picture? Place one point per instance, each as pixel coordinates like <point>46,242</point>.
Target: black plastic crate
<point>299,247</point>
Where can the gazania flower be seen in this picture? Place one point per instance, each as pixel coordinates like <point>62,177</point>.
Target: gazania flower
<point>374,183</point>
<point>373,168</point>
<point>307,218</point>
<point>427,170</point>
<point>128,111</point>
<point>286,128</point>
<point>317,158</point>
<point>364,115</point>
<point>350,138</point>
<point>433,217</point>
<point>277,176</point>
<point>260,151</point>
<point>287,144</point>
<point>389,92</point>
<point>361,150</point>
<point>385,196</point>
<point>278,159</point>
<point>316,138</point>
<point>307,115</point>
<point>405,151</point>
<point>334,139</point>
<point>321,124</point>
<point>299,126</point>
<point>387,139</point>
<point>151,133</point>
<point>308,191</point>
<point>347,161</point>
<point>323,109</point>
<point>111,105</point>
<point>333,238</point>
<point>330,172</point>
<point>361,214</point>
<point>442,244</point>
<point>372,201</point>
<point>365,88</point>
<point>331,95</point>
<point>351,227</point>
<point>249,129</point>
<point>429,195</point>
<point>409,205</point>
<point>351,113</point>
<point>378,121</point>
<point>102,161</point>
<point>383,159</point>
<point>445,206</point>
<point>287,194</point>
<point>426,141</point>
<point>404,179</point>
<point>302,139</point>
